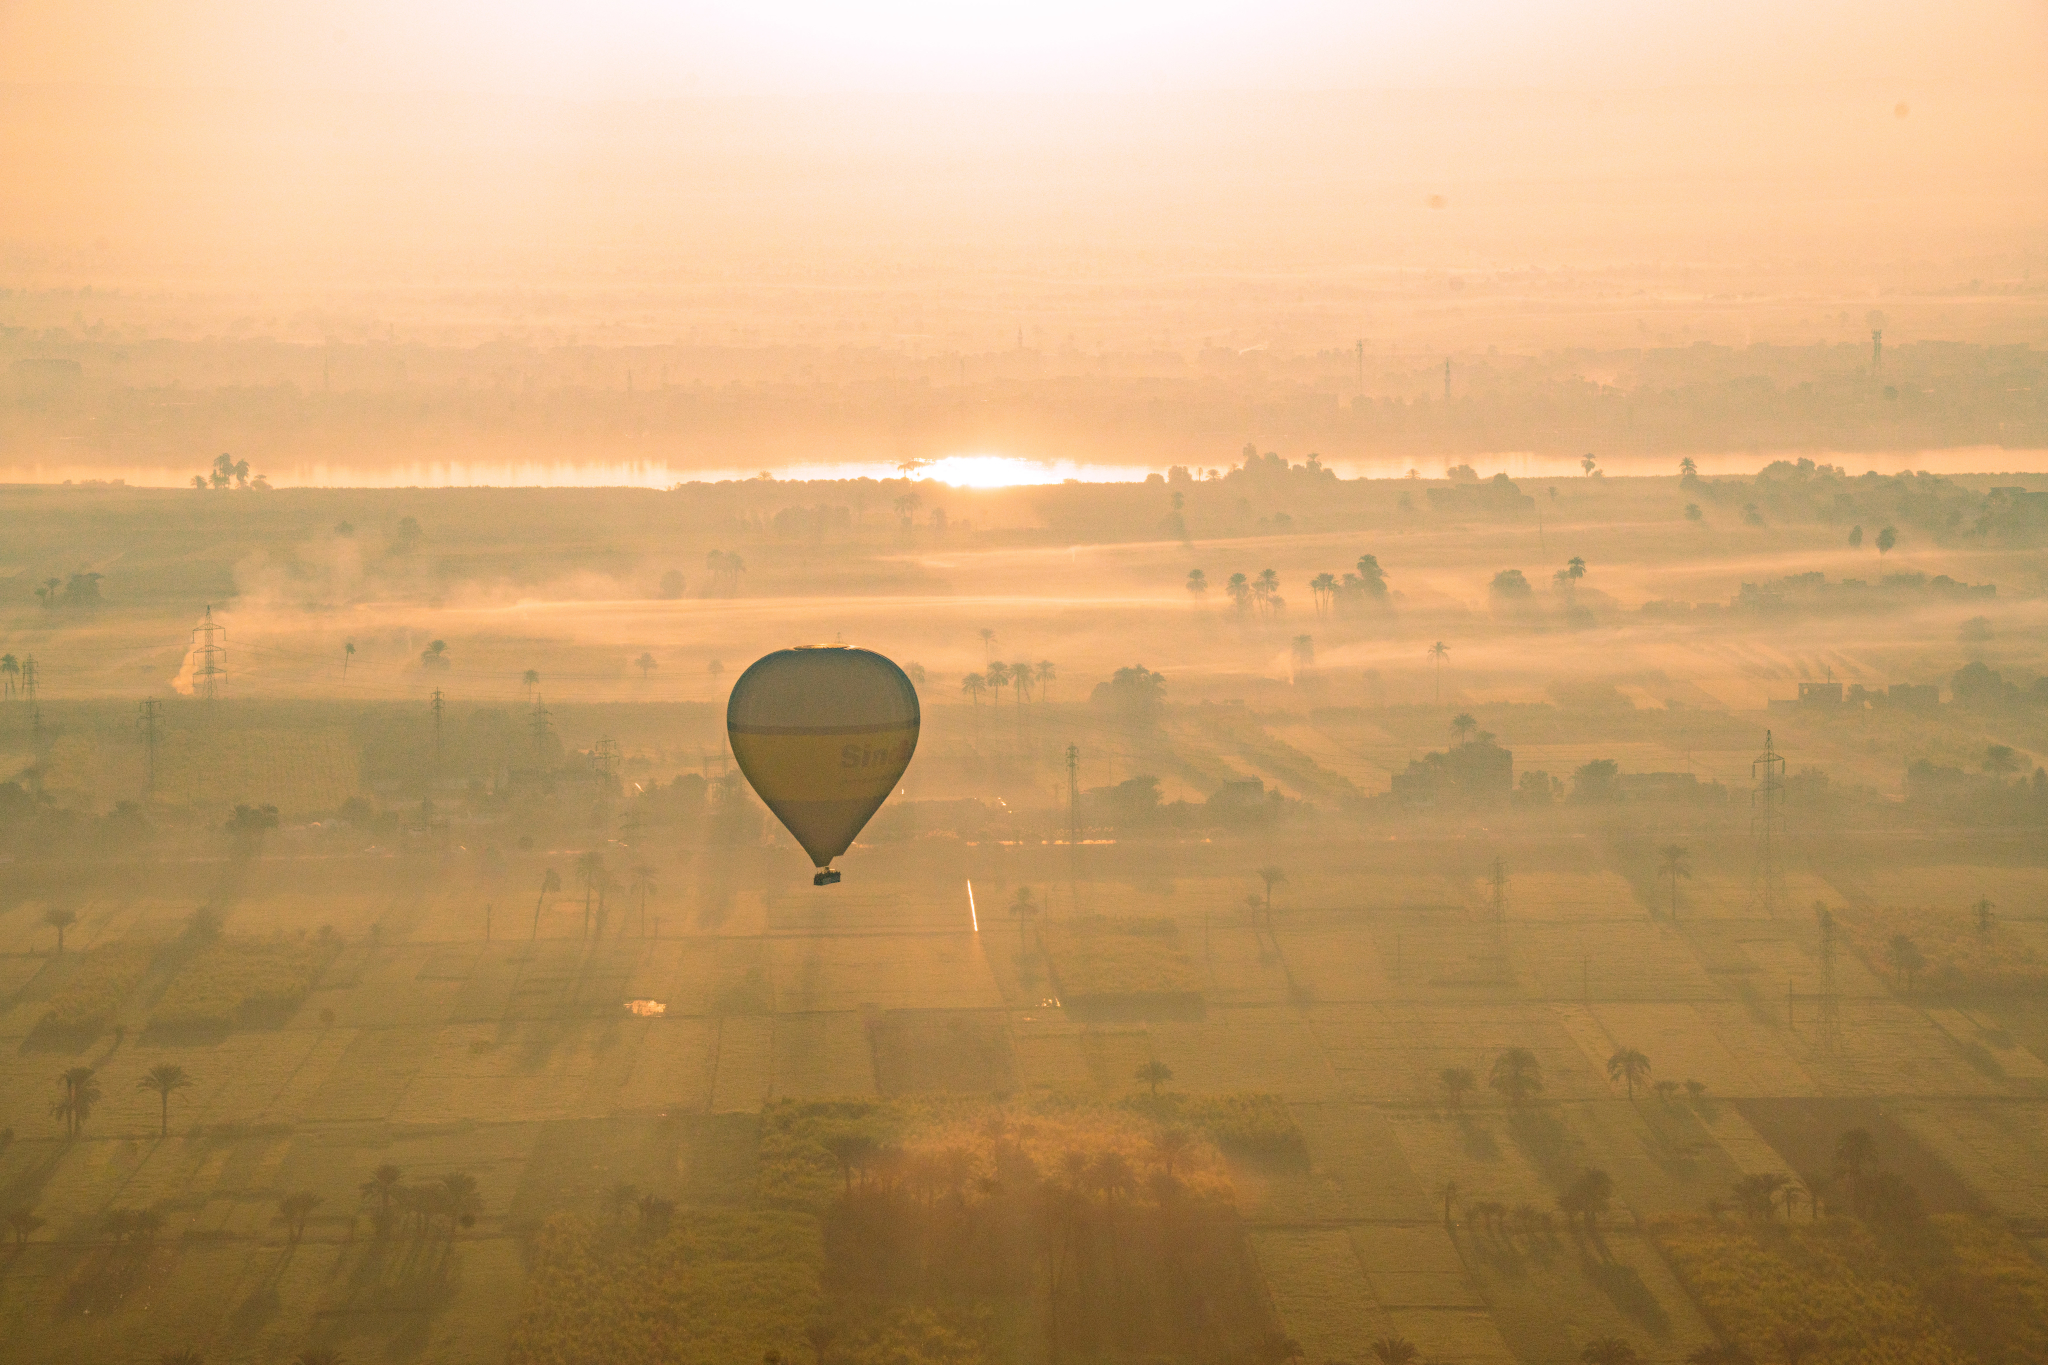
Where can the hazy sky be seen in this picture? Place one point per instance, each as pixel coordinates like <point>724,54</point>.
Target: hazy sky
<point>639,48</point>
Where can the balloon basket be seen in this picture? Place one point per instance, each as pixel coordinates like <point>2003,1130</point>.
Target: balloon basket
<point>826,878</point>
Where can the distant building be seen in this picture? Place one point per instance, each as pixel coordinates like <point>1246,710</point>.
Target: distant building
<point>1820,694</point>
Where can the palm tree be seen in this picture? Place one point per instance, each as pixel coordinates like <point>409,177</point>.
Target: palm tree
<point>1630,1066</point>
<point>1587,463</point>
<point>382,1189</point>
<point>590,872</point>
<point>530,679</point>
<point>1687,469</point>
<point>1886,538</point>
<point>1517,1075</point>
<point>1023,907</point>
<point>645,663</point>
<point>60,919</point>
<point>164,1078</point>
<point>1447,1194</point>
<point>1048,674</point>
<point>1589,1196</point>
<point>1198,583</point>
<point>1239,590</point>
<point>348,652</point>
<point>1266,587</point>
<point>1170,1145</point>
<point>460,1199</point>
<point>643,886</point>
<point>1456,1081</point>
<point>1855,1153</point>
<point>974,685</point>
<point>1437,652</point>
<point>550,883</point>
<point>81,1093</point>
<point>988,642</point>
<point>293,1210</point>
<point>997,676</point>
<point>10,675</point>
<point>1905,959</point>
<point>1153,1073</point>
<point>1324,588</point>
<point>1675,861</point>
<point>1394,1351</point>
<point>1462,725</point>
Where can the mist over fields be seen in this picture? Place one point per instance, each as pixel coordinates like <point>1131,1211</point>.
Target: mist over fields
<point>1465,592</point>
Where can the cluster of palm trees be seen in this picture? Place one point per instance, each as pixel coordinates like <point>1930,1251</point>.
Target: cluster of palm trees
<point>1257,596</point>
<point>1121,1238</point>
<point>598,882</point>
<point>453,1199</point>
<point>1367,587</point>
<point>1872,1192</point>
<point>725,570</point>
<point>1022,677</point>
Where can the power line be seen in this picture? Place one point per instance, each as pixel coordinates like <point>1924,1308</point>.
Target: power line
<point>150,708</point>
<point>1767,825</point>
<point>209,650</point>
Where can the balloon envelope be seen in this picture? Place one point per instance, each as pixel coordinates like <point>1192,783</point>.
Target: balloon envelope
<point>823,732</point>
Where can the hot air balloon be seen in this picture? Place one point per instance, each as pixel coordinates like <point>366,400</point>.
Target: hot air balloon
<point>823,732</point>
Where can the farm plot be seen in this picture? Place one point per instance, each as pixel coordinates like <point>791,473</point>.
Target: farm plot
<point>1633,959</point>
<point>1548,895</point>
<point>1952,952</point>
<point>1683,1045</point>
<point>944,1051</point>
<point>92,987</point>
<point>819,1056</point>
<point>945,971</point>
<point>674,1064</point>
<point>1319,1291</point>
<point>300,771</point>
<point>744,1074</point>
<point>1259,1047</point>
<point>540,1071</point>
<point>714,1289</point>
<point>1830,1279</point>
<point>242,983</point>
<point>1334,962</point>
<point>1125,961</point>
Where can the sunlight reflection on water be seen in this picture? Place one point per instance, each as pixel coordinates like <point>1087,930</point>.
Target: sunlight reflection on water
<point>989,470</point>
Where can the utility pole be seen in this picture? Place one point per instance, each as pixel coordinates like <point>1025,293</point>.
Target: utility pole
<point>28,691</point>
<point>539,727</point>
<point>1830,1002</point>
<point>1876,352</point>
<point>1073,796</point>
<point>209,652</point>
<point>150,707</point>
<point>1767,824</point>
<point>436,703</point>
